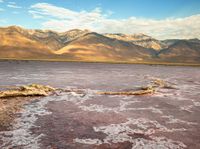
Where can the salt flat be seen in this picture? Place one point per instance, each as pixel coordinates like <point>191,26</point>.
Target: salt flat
<point>167,119</point>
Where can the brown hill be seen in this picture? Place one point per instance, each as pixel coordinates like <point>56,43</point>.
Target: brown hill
<point>83,45</point>
<point>97,47</point>
<point>14,44</point>
<point>187,51</point>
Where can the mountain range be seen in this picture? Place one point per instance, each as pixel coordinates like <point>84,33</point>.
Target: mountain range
<point>84,45</point>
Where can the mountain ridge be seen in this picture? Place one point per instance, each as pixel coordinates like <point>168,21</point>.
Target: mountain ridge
<point>84,45</point>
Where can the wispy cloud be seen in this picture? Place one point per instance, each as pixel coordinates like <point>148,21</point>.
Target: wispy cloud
<point>3,21</point>
<point>13,5</point>
<point>1,9</point>
<point>62,19</point>
<point>1,1</point>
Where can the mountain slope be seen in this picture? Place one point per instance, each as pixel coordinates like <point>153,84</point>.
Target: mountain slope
<point>83,45</point>
<point>94,46</point>
<point>182,51</point>
<point>13,44</point>
<point>139,39</point>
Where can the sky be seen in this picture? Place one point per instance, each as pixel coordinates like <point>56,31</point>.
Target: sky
<point>162,19</point>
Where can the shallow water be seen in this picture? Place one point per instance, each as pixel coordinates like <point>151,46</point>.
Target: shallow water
<point>167,119</point>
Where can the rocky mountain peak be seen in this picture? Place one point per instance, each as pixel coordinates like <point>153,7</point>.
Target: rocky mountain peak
<point>139,39</point>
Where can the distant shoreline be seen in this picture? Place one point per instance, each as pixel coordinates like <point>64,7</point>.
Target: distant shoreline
<point>109,62</point>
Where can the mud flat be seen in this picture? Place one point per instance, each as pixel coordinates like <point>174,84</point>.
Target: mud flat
<point>79,117</point>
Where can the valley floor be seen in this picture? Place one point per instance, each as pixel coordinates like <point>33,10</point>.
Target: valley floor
<point>108,62</point>
<point>167,119</point>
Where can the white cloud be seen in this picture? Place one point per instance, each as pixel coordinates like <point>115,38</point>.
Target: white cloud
<point>62,19</point>
<point>35,14</point>
<point>1,1</point>
<point>13,5</point>
<point>1,9</point>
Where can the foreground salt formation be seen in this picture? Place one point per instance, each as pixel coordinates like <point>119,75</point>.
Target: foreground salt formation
<point>149,89</point>
<point>93,120</point>
<point>28,90</point>
<point>13,99</point>
<point>42,90</point>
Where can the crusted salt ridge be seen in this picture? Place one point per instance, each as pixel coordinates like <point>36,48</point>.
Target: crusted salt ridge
<point>150,88</point>
<point>28,90</point>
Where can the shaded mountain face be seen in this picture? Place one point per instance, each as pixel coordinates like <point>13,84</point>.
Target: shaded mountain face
<point>84,45</point>
<point>182,51</point>
<point>139,39</point>
<point>97,47</point>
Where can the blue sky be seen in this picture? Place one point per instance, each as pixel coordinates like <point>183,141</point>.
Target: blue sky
<point>178,17</point>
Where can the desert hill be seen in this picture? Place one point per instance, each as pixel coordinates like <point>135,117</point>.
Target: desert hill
<point>84,45</point>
